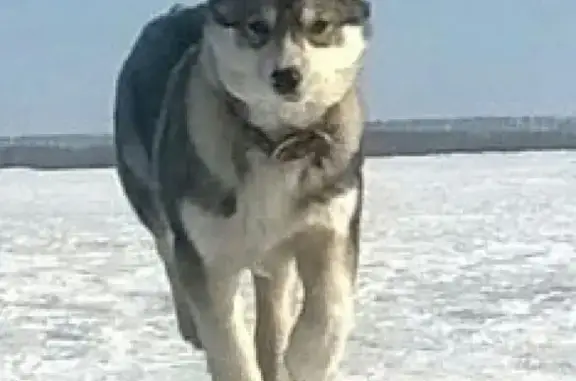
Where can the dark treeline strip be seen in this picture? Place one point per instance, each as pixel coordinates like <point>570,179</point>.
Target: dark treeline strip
<point>389,138</point>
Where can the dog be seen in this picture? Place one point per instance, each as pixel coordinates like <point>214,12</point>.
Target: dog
<point>238,127</point>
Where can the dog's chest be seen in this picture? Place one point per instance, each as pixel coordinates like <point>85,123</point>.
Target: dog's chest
<point>266,213</point>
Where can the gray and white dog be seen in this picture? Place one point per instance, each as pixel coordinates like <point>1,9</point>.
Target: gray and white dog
<point>238,129</point>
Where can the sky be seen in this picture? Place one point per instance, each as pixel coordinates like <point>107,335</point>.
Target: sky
<point>442,58</point>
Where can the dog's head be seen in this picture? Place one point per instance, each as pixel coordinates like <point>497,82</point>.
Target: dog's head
<point>288,61</point>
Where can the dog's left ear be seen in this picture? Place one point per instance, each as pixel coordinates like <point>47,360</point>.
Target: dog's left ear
<point>360,12</point>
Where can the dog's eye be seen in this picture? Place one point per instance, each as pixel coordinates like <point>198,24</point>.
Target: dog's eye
<point>321,32</point>
<point>259,28</point>
<point>319,27</point>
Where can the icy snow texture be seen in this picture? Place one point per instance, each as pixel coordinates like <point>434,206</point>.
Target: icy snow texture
<point>468,273</point>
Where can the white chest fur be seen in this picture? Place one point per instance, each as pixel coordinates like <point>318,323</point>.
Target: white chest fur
<point>265,216</point>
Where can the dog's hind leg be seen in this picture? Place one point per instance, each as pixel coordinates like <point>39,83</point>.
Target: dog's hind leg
<point>184,318</point>
<point>274,294</point>
<point>326,264</point>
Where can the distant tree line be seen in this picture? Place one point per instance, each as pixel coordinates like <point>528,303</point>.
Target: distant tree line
<point>390,138</point>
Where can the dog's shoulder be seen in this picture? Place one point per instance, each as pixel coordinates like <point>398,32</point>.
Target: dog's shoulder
<point>144,74</point>
<point>181,172</point>
<point>164,39</point>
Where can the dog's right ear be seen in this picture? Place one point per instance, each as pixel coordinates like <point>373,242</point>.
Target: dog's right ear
<point>359,13</point>
<point>223,12</point>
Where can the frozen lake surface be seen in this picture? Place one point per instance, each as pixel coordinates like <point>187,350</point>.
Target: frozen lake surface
<point>468,273</point>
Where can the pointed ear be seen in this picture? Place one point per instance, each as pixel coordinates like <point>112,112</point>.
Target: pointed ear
<point>223,12</point>
<point>366,10</point>
<point>359,13</point>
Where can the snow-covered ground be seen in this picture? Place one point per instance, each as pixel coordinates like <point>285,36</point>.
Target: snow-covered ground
<point>468,273</point>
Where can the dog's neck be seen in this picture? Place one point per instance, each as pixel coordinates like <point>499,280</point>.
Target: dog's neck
<point>256,134</point>
<point>268,141</point>
<point>276,146</point>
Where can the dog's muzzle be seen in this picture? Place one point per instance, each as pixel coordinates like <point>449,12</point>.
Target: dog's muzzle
<point>285,81</point>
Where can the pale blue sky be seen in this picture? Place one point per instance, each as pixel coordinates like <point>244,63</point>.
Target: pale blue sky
<point>59,58</point>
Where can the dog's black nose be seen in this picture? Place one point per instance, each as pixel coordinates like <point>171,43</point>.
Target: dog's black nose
<point>286,80</point>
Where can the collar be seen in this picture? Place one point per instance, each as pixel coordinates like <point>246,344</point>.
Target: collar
<point>295,144</point>
<point>256,135</point>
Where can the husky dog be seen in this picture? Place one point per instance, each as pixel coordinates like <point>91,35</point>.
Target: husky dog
<point>238,129</point>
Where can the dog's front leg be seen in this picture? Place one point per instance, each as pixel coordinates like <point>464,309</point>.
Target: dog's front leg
<point>218,312</point>
<point>274,294</point>
<point>220,322</point>
<point>326,263</point>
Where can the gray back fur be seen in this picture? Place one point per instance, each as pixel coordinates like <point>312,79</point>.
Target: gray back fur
<point>141,85</point>
<point>140,90</point>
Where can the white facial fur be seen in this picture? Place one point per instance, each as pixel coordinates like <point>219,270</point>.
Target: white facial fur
<point>327,74</point>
